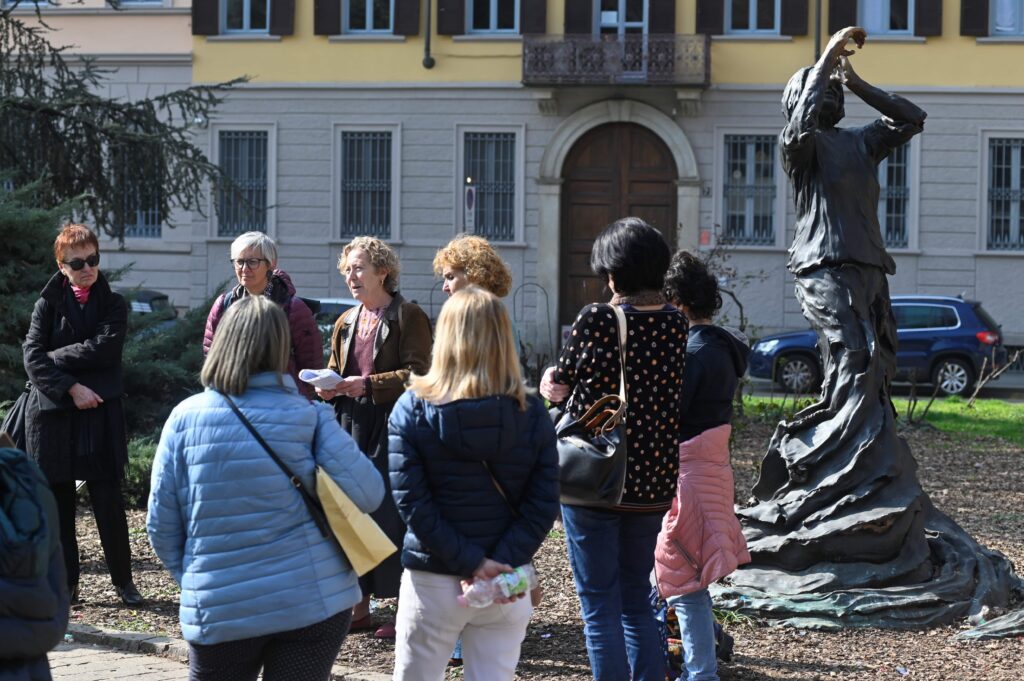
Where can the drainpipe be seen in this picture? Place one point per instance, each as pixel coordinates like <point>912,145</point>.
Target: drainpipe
<point>817,29</point>
<point>428,61</point>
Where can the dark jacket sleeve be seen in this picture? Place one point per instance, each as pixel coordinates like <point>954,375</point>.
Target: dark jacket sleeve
<point>306,338</point>
<point>103,350</point>
<point>411,492</point>
<point>40,367</point>
<point>538,506</point>
<point>414,342</point>
<point>692,375</point>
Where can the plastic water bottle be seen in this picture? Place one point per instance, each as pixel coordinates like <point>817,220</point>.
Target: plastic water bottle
<point>480,594</point>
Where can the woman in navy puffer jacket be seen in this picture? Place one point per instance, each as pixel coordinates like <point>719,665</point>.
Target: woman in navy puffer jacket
<point>474,473</point>
<point>260,586</point>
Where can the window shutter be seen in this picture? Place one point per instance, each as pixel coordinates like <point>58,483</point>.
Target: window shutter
<point>407,17</point>
<point>327,17</point>
<point>451,17</point>
<point>579,17</point>
<point>928,17</point>
<point>711,17</point>
<point>793,17</point>
<point>205,17</point>
<point>282,17</point>
<point>974,17</point>
<point>662,16</point>
<point>533,16</point>
<point>841,13</point>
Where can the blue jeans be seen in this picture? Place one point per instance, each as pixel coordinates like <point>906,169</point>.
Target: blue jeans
<point>612,555</point>
<point>697,628</point>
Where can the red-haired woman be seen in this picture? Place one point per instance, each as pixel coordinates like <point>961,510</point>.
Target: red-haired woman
<point>74,422</point>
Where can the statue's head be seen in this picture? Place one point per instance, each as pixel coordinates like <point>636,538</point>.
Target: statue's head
<point>832,107</point>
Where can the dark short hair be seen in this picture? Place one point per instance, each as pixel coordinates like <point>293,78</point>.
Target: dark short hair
<point>632,252</point>
<point>688,282</point>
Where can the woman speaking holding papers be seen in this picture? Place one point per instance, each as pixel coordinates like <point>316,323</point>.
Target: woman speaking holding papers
<point>374,348</point>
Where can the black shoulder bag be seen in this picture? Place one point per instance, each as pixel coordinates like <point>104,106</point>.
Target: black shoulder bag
<point>592,448</point>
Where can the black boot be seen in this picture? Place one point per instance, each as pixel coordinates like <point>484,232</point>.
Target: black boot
<point>130,595</point>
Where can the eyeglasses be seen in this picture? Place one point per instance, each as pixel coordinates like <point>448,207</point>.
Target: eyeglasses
<point>77,264</point>
<point>251,263</point>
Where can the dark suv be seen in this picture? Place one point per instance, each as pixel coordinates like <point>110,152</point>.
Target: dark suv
<point>942,341</point>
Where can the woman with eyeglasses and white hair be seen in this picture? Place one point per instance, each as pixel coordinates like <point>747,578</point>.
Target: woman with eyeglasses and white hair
<point>74,420</point>
<point>260,586</point>
<point>254,259</point>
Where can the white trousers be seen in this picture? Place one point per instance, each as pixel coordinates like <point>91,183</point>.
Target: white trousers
<point>430,620</point>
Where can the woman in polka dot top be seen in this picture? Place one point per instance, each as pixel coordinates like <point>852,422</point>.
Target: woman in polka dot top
<point>632,257</point>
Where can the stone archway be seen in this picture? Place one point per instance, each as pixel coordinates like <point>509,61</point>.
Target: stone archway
<point>549,181</point>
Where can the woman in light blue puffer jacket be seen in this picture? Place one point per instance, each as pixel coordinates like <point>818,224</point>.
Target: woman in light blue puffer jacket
<point>260,586</point>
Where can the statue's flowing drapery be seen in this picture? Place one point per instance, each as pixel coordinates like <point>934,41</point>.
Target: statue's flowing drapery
<point>842,533</point>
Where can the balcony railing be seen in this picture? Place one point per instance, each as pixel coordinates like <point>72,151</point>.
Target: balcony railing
<point>617,60</point>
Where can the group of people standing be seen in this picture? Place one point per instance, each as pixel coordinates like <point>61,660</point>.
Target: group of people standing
<point>433,432</point>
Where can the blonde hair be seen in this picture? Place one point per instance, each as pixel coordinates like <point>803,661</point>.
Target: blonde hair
<point>474,352</point>
<point>475,256</point>
<point>380,255</point>
<point>252,337</point>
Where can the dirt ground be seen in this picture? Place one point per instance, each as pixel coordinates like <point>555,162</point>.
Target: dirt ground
<point>979,482</point>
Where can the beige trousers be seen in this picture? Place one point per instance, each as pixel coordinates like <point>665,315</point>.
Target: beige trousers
<point>430,620</point>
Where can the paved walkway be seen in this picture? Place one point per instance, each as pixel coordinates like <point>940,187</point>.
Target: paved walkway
<point>89,662</point>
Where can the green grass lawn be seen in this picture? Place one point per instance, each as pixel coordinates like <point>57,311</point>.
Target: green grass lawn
<point>985,417</point>
<point>951,415</point>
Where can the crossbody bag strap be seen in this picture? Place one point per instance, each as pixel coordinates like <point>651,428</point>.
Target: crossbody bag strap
<point>312,504</point>
<point>501,491</point>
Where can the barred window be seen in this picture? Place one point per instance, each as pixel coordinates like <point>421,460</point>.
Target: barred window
<point>749,190</point>
<point>894,198</point>
<point>490,166</point>
<point>141,215</point>
<point>752,16</point>
<point>245,16</point>
<point>1004,195</point>
<point>366,183</point>
<point>368,16</point>
<point>243,158</point>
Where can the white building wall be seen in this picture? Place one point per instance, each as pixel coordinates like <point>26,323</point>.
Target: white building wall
<point>945,256</point>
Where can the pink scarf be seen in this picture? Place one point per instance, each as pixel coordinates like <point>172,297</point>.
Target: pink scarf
<point>81,294</point>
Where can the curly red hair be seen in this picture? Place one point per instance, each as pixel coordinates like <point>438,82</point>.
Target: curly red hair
<point>478,259</point>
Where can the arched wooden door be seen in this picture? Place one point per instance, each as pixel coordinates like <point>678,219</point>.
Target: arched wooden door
<point>612,171</point>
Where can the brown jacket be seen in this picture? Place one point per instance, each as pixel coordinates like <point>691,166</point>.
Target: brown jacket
<point>401,346</point>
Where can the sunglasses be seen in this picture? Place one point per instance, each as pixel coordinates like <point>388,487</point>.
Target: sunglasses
<point>77,264</point>
<point>251,263</point>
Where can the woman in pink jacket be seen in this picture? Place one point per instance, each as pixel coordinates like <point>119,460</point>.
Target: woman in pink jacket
<point>254,259</point>
<point>700,540</point>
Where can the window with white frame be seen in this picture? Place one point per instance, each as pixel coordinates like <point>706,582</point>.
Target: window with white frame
<point>752,16</point>
<point>1007,17</point>
<point>749,190</point>
<point>621,17</point>
<point>368,16</point>
<point>887,17</point>
<point>243,156</point>
<point>894,198</point>
<point>245,16</point>
<point>1005,195</point>
<point>492,16</point>
<point>366,194</point>
<point>491,169</point>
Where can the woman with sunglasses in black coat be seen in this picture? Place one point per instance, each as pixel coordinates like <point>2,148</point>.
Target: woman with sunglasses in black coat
<point>74,420</point>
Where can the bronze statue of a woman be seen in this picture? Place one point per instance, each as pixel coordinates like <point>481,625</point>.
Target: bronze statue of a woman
<point>841,532</point>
